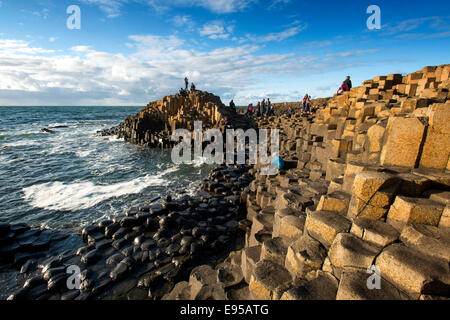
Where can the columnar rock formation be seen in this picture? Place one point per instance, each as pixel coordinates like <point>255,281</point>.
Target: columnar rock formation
<point>365,192</point>
<point>154,124</point>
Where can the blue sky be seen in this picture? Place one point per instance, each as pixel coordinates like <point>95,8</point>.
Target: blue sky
<point>129,52</point>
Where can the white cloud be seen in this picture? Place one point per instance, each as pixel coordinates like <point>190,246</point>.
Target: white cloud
<point>113,8</point>
<point>279,36</point>
<point>155,68</point>
<point>216,30</point>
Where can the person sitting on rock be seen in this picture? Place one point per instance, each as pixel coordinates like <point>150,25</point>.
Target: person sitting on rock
<point>345,86</point>
<point>183,92</point>
<point>193,87</point>
<point>186,83</point>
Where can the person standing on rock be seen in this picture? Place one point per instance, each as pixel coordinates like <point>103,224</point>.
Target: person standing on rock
<point>250,110</point>
<point>263,108</point>
<point>186,83</point>
<point>258,110</point>
<point>232,105</point>
<point>269,107</point>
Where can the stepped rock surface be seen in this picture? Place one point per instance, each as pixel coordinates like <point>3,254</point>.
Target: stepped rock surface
<point>361,209</point>
<point>154,124</point>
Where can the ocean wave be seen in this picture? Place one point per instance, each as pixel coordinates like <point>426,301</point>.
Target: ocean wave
<point>84,195</point>
<point>22,143</point>
<point>115,139</point>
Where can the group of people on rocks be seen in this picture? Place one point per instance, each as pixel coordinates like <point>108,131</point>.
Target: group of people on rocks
<point>184,92</point>
<point>263,109</point>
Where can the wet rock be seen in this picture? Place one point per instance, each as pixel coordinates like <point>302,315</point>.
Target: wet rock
<point>129,222</point>
<point>127,251</point>
<point>104,244</point>
<point>119,244</point>
<point>57,282</point>
<point>148,245</point>
<point>71,295</point>
<point>34,282</point>
<point>28,266</point>
<point>4,228</point>
<point>91,257</point>
<point>119,271</point>
<point>50,273</point>
<point>172,249</point>
<point>119,234</point>
<point>111,229</point>
<point>20,294</point>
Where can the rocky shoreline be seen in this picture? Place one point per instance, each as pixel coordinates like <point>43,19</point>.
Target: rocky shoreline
<point>364,195</point>
<point>139,256</point>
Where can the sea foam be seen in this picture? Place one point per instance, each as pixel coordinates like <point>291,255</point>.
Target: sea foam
<point>84,195</point>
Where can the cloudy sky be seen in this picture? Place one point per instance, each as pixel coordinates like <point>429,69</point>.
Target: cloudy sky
<point>129,52</point>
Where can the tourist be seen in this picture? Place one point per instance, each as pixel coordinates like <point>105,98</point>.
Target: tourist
<point>183,92</point>
<point>193,87</point>
<point>269,108</point>
<point>186,83</point>
<point>345,86</point>
<point>250,110</point>
<point>258,110</point>
<point>232,105</point>
<point>263,108</point>
<point>305,104</point>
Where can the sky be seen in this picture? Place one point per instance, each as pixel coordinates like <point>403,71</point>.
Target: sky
<point>130,52</point>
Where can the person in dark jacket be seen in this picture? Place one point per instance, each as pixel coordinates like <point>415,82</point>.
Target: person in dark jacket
<point>186,83</point>
<point>348,82</point>
<point>232,105</point>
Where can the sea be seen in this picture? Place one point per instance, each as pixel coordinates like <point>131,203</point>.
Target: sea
<point>71,177</point>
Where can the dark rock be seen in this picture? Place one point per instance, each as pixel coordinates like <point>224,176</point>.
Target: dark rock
<point>105,223</point>
<point>90,230</point>
<point>119,234</point>
<point>172,249</point>
<point>111,229</point>
<point>104,244</point>
<point>28,266</point>
<point>119,271</point>
<point>91,257</point>
<point>20,294</point>
<point>57,282</point>
<point>148,244</point>
<point>34,282</point>
<point>126,252</point>
<point>129,222</point>
<point>102,286</point>
<point>71,295</point>
<point>118,244</point>
<point>4,228</point>
<point>114,259</point>
<point>51,273</point>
